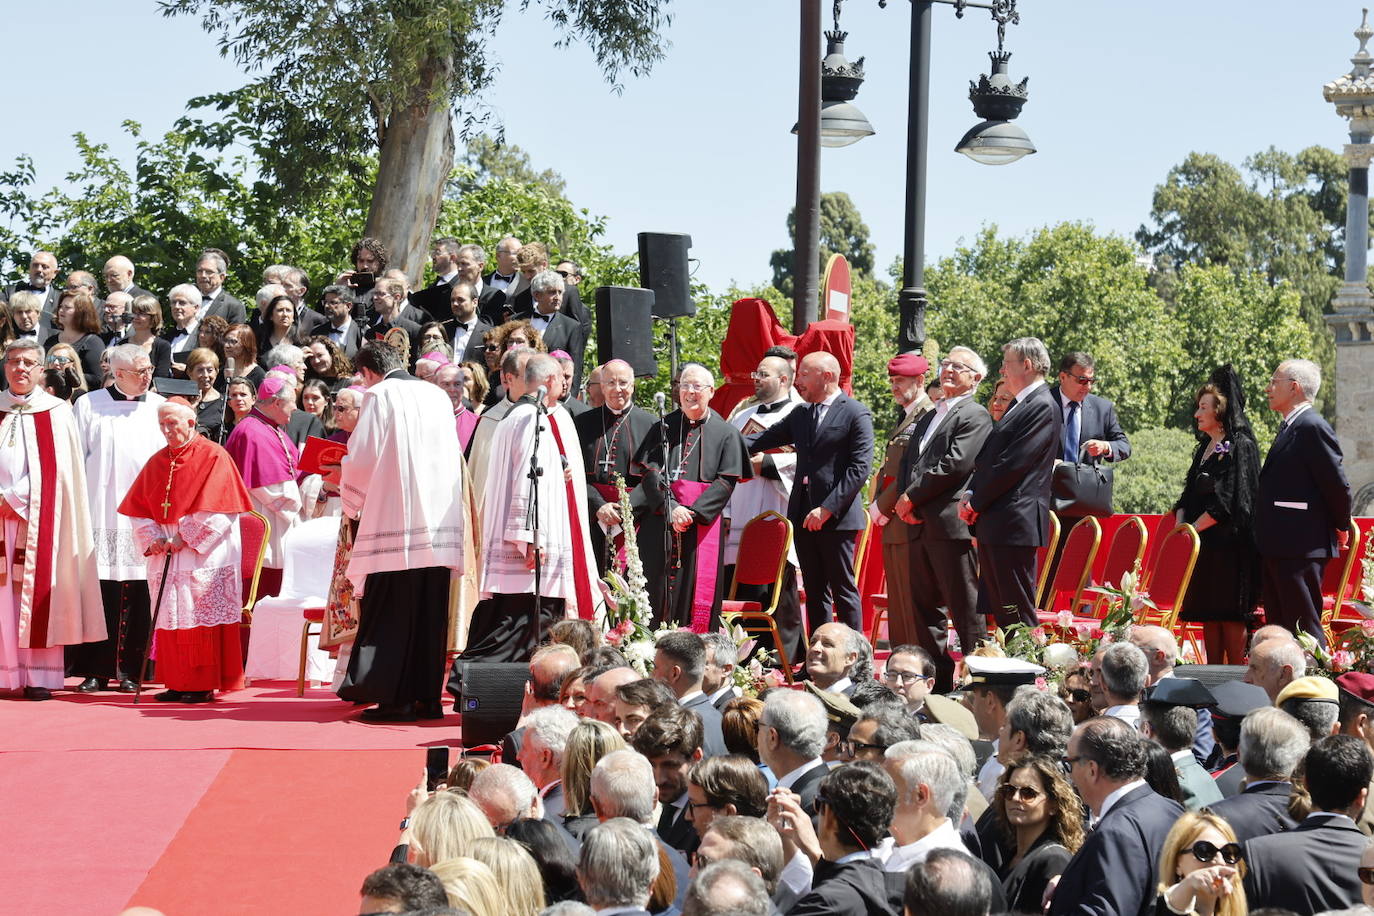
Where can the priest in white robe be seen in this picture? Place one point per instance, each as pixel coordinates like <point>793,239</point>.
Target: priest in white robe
<point>119,433</point>
<point>769,489</point>
<point>402,482</point>
<point>49,589</point>
<point>479,449</point>
<point>185,507</point>
<point>514,546</point>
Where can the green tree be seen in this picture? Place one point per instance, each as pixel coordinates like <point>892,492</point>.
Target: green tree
<point>338,82</point>
<point>1151,481</point>
<point>843,231</point>
<point>488,158</point>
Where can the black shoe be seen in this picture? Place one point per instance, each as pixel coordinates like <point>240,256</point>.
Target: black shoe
<point>169,696</point>
<point>37,693</point>
<point>388,712</point>
<point>90,685</point>
<point>127,686</point>
<point>429,709</point>
<point>198,696</point>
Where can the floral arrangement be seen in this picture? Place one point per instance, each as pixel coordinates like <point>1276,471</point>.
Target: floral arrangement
<point>1353,650</point>
<point>627,591</point>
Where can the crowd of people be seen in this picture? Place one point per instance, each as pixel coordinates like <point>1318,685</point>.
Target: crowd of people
<point>485,492</point>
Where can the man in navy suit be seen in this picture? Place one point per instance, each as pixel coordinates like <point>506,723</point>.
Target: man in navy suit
<point>1303,509</point>
<point>1009,495</point>
<point>1272,744</point>
<point>1312,868</point>
<point>1114,872</point>
<point>834,442</point>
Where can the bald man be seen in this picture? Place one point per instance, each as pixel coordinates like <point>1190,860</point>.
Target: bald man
<point>119,278</point>
<point>833,436</point>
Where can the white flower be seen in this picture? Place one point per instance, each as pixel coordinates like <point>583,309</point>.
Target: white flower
<point>1059,655</point>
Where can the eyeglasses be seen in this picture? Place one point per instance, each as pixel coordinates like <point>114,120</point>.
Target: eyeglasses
<point>693,386</point>
<point>145,371</point>
<point>693,806</point>
<point>905,677</point>
<point>957,367</point>
<point>1080,695</point>
<point>1281,378</point>
<point>1083,379</point>
<point>1366,875</point>
<point>700,861</point>
<point>1069,761</point>
<point>851,748</point>
<point>1025,793</point>
<point>1205,852</point>
<point>23,363</point>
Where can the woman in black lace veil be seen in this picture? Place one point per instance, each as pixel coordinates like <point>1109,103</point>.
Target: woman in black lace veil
<point>1219,501</point>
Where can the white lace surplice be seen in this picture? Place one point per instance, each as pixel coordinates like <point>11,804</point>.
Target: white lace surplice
<point>204,588</point>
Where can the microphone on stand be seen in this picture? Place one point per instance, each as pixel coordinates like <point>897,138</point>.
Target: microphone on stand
<point>659,398</point>
<point>540,394</point>
<point>228,369</point>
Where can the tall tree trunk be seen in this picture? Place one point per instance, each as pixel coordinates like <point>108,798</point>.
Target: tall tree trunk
<point>416,159</point>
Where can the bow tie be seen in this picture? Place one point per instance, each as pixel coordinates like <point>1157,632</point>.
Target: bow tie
<point>771,408</point>
<point>509,279</point>
<point>460,326</point>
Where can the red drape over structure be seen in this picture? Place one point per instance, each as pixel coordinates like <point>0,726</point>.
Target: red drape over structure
<point>754,327</point>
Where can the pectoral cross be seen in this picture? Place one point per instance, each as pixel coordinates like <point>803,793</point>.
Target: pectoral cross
<point>606,464</point>
<point>14,420</point>
<point>167,496</point>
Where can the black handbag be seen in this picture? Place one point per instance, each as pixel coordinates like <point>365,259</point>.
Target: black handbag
<point>1082,488</point>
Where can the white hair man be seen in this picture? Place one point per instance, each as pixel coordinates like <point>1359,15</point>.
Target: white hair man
<point>685,491</point>
<point>266,457</point>
<point>119,278</point>
<point>927,778</point>
<point>622,786</point>
<point>727,888</point>
<point>1274,664</point>
<point>541,754</point>
<point>616,868</point>
<point>792,733</point>
<point>42,502</point>
<point>1302,512</point>
<point>185,506</point>
<point>119,432</point>
<point>505,794</point>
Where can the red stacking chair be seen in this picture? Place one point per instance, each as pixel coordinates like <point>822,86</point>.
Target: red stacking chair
<point>1075,565</point>
<point>1042,560</point>
<point>763,548</point>
<point>1126,550</point>
<point>1340,584</point>
<point>254,532</point>
<point>1168,583</point>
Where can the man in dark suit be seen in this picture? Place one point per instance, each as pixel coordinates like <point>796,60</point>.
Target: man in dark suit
<point>521,302</point>
<point>119,278</point>
<point>680,663</point>
<point>549,318</point>
<point>834,444</point>
<point>42,283</point>
<point>211,270</point>
<point>1312,867</point>
<point>434,299</point>
<point>792,729</point>
<point>1089,425</point>
<point>623,791</point>
<point>617,867</point>
<point>1272,744</point>
<point>935,471</point>
<point>1009,495</point>
<point>309,322</point>
<point>503,277</point>
<point>1356,695</point>
<point>465,330</point>
<point>1114,872</point>
<point>670,738</point>
<point>387,296</point>
<point>1302,512</point>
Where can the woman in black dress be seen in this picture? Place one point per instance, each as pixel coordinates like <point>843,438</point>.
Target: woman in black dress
<point>1037,807</point>
<point>1219,501</point>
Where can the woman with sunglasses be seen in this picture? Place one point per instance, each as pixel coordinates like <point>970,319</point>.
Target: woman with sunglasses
<point>1036,805</point>
<point>1201,868</point>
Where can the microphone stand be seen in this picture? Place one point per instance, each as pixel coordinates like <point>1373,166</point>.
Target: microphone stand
<point>532,516</point>
<point>665,494</point>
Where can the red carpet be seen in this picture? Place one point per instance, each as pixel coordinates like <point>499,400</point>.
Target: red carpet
<point>258,803</point>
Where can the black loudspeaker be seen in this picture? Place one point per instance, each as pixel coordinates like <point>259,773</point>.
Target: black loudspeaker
<point>1211,675</point>
<point>490,702</point>
<point>663,269</point>
<point>625,327</point>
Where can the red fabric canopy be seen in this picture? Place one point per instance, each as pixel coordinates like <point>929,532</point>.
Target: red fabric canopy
<point>754,327</point>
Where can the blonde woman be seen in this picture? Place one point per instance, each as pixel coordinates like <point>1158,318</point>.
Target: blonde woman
<point>589,742</point>
<point>516,872</point>
<point>471,887</point>
<point>1201,868</point>
<point>443,826</point>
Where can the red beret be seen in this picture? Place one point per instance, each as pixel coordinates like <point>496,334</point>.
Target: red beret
<point>909,365</point>
<point>1358,684</point>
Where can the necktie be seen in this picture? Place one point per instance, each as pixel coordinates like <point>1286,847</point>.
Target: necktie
<point>1282,427</point>
<point>666,817</point>
<point>816,417</point>
<point>1071,428</point>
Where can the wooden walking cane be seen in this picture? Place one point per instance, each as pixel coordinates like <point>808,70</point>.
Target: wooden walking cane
<point>152,629</point>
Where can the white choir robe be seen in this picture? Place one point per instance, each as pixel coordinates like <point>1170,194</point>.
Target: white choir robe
<point>118,438</point>
<point>760,494</point>
<point>204,588</point>
<point>507,536</point>
<point>20,667</point>
<point>479,449</point>
<point>280,504</point>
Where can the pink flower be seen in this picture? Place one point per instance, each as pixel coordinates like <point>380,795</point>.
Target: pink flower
<point>621,630</point>
<point>1098,633</point>
<point>1041,684</point>
<point>1342,660</point>
<point>1085,630</point>
<point>1064,619</point>
<point>1367,625</point>
<point>773,678</point>
<point>1038,634</point>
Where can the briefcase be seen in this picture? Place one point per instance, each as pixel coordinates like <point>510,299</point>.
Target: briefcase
<point>1082,488</point>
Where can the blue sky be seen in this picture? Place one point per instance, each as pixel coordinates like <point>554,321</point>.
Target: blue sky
<point>1119,93</point>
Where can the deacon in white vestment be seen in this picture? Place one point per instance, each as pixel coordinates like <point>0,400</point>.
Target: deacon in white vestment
<point>513,546</point>
<point>479,450</point>
<point>769,489</point>
<point>49,589</point>
<point>119,433</point>
<point>402,482</point>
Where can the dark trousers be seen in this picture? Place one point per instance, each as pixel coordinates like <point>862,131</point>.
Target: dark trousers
<point>398,654</point>
<point>944,574</point>
<point>1292,591</point>
<point>127,619</point>
<point>1006,583</point>
<point>827,568</point>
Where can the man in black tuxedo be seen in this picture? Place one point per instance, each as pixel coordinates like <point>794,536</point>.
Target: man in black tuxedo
<point>934,474</point>
<point>119,278</point>
<point>833,438</point>
<point>337,301</point>
<point>387,297</point>
<point>503,277</point>
<point>1009,495</point>
<point>1272,744</point>
<point>41,282</point>
<point>1312,868</point>
<point>309,322</point>
<point>1114,872</point>
<point>560,332</point>
<point>1302,512</point>
<point>433,299</point>
<point>792,730</point>
<point>465,330</point>
<point>211,270</point>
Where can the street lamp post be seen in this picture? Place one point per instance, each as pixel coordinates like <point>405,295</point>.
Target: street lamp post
<point>995,141</point>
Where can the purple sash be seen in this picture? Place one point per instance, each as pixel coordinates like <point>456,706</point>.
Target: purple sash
<point>708,555</point>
